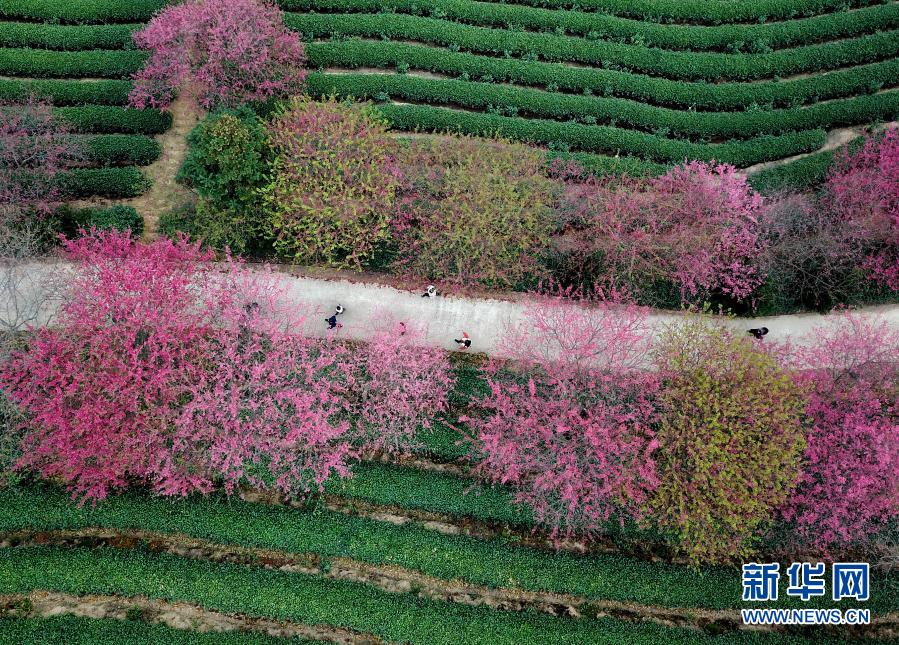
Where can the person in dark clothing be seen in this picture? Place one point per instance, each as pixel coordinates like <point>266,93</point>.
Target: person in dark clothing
<point>758,333</point>
<point>464,342</point>
<point>332,322</point>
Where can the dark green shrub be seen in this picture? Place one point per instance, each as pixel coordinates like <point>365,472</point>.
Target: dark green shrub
<point>117,217</point>
<point>227,164</point>
<point>181,219</point>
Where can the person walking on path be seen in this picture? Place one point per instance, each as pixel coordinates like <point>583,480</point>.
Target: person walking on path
<point>332,321</point>
<point>464,342</point>
<point>758,333</point>
<point>431,292</point>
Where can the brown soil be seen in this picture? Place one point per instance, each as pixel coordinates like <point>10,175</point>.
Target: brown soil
<point>178,615</point>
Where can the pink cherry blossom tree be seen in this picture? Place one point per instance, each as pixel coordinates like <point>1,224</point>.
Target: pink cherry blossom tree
<point>229,52</point>
<point>863,188</point>
<point>399,386</point>
<point>696,228</point>
<point>569,423</point>
<point>163,369</point>
<point>34,148</point>
<point>848,487</point>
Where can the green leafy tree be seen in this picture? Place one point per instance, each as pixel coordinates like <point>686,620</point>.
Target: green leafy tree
<point>227,165</point>
<point>730,439</point>
<point>474,212</point>
<point>333,183</point>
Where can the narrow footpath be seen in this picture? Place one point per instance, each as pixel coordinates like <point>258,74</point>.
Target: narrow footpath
<point>369,307</point>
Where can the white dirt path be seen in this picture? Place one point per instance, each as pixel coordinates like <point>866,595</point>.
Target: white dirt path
<point>370,306</point>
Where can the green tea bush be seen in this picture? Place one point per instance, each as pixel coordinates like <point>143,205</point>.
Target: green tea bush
<point>107,118</point>
<point>708,66</point>
<point>117,217</point>
<point>730,439</point>
<point>67,11</point>
<point>39,63</point>
<point>474,212</point>
<point>705,12</point>
<point>653,90</point>
<point>103,182</point>
<point>66,92</point>
<point>72,38</point>
<point>776,35</point>
<point>552,105</point>
<point>120,150</point>
<point>333,183</point>
<point>593,138</point>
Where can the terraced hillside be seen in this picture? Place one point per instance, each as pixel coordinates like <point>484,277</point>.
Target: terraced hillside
<point>622,86</point>
<point>633,86</point>
<point>407,551</point>
<point>79,56</point>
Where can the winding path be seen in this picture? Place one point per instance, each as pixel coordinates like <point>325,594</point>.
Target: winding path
<point>370,306</point>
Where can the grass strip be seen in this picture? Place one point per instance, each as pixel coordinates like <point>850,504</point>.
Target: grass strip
<point>600,139</point>
<point>386,484</point>
<point>320,601</point>
<point>82,11</point>
<point>74,630</point>
<point>708,66</point>
<point>65,92</point>
<point>724,96</point>
<point>489,564</point>
<point>757,37</point>
<point>604,166</point>
<point>42,63</point>
<point>516,101</point>
<point>65,37</point>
